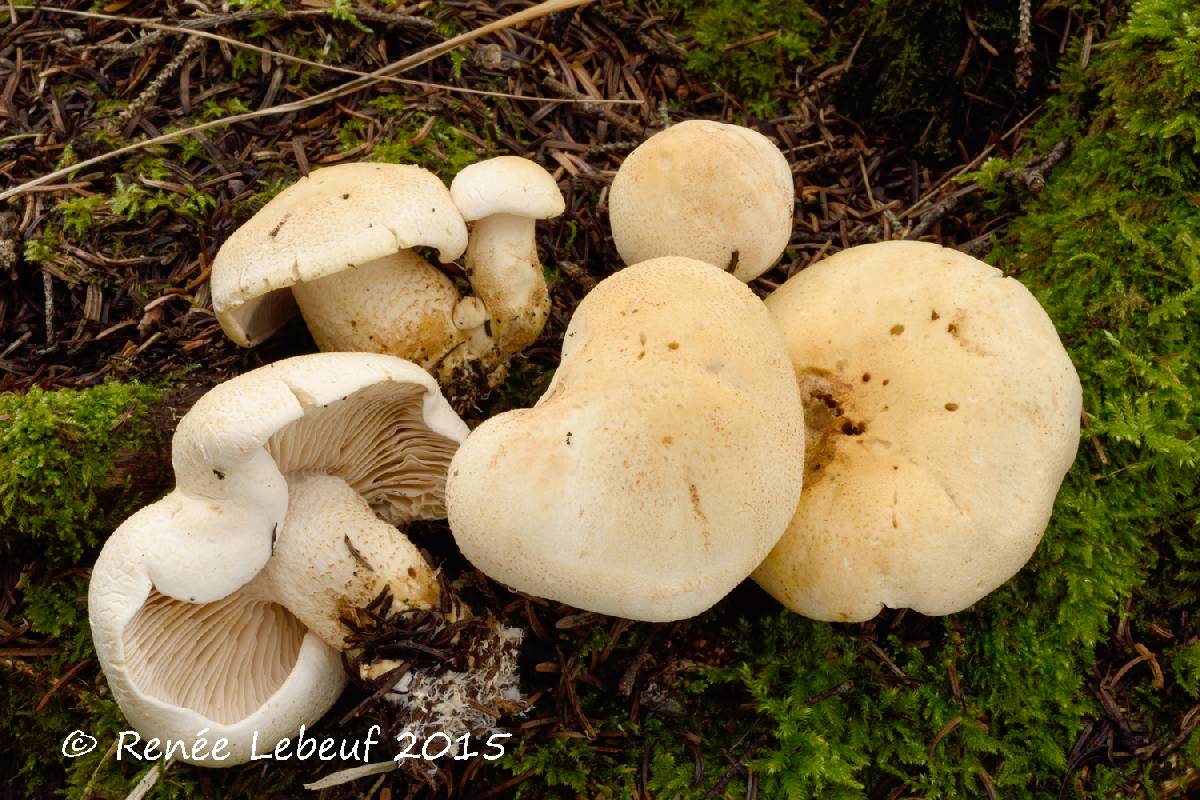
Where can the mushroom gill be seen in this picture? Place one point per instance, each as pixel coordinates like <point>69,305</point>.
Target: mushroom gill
<point>222,659</point>
<point>378,442</point>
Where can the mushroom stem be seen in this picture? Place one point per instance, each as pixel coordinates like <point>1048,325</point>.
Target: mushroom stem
<point>399,304</point>
<point>333,555</point>
<point>472,320</point>
<point>505,272</point>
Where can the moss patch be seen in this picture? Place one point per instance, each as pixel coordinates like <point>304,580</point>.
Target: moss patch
<point>59,490</point>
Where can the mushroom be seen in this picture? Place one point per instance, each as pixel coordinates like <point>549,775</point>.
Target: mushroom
<point>504,197</point>
<point>195,623</point>
<point>333,555</point>
<point>662,463</point>
<point>942,414</point>
<point>338,244</point>
<point>707,190</point>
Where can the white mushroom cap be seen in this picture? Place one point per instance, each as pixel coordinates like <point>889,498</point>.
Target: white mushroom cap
<point>378,422</point>
<point>943,413</point>
<point>230,667</point>
<point>325,223</point>
<point>506,185</point>
<point>504,196</point>
<point>188,629</point>
<point>661,465</point>
<point>706,190</point>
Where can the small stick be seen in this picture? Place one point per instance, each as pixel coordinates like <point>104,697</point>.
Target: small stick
<point>48,307</point>
<point>349,87</point>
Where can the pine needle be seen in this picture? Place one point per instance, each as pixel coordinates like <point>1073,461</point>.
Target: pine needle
<point>349,87</point>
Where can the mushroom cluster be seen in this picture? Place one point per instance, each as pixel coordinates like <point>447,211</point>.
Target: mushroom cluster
<point>889,428</point>
<point>343,246</point>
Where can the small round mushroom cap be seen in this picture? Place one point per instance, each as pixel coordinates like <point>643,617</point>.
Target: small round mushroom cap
<point>506,185</point>
<point>324,223</point>
<point>942,413</point>
<point>711,191</point>
<point>189,628</point>
<point>661,465</point>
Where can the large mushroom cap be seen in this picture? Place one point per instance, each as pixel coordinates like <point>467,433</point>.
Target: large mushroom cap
<point>943,413</point>
<point>329,221</point>
<point>506,185</point>
<point>189,629</point>
<point>706,190</point>
<point>660,466</point>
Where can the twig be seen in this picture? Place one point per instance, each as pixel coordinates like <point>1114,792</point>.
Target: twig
<point>61,682</point>
<point>217,20</point>
<point>738,764</point>
<point>48,306</point>
<point>349,87</point>
<point>1024,48</point>
<point>595,105</point>
<point>254,48</point>
<point>1032,177</point>
<point>763,737</point>
<point>150,93</point>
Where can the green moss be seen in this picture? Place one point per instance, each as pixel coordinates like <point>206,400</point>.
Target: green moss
<point>58,450</point>
<point>526,382</point>
<point>430,141</point>
<point>747,49</point>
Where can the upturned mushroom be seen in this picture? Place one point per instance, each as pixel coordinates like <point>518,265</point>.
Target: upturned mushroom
<point>942,414</point>
<point>662,463</point>
<point>504,197</point>
<point>338,244</point>
<point>707,190</point>
<point>196,624</point>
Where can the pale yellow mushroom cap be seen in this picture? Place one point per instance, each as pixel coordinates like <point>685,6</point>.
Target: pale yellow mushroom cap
<point>943,413</point>
<point>660,466</point>
<point>707,190</point>
<point>329,221</point>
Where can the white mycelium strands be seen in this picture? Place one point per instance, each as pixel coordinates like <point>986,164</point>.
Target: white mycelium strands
<point>378,442</point>
<point>222,659</point>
